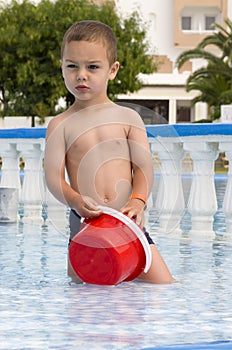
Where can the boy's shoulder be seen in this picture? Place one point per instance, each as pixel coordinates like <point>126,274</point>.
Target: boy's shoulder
<point>63,115</point>
<point>117,113</point>
<point>59,118</point>
<point>57,124</point>
<point>129,115</point>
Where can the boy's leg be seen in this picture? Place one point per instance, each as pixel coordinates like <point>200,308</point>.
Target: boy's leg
<point>158,272</point>
<point>72,274</point>
<point>74,223</point>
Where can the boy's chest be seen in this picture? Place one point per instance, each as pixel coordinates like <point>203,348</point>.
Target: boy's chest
<point>108,138</point>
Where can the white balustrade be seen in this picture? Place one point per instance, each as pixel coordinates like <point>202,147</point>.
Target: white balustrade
<point>170,143</point>
<point>202,142</point>
<point>28,144</point>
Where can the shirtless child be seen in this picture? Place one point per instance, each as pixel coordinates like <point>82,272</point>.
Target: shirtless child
<point>102,146</point>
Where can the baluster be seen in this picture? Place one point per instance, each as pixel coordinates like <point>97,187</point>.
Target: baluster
<point>10,179</point>
<point>32,194</point>
<point>170,199</point>
<point>202,203</point>
<point>227,202</point>
<point>10,165</point>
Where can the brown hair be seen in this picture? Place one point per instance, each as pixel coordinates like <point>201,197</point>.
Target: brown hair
<point>92,31</point>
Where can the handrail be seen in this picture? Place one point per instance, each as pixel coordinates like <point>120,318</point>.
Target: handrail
<point>23,133</point>
<point>186,130</point>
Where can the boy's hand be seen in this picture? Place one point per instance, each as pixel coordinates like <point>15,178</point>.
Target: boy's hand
<point>87,207</point>
<point>134,209</point>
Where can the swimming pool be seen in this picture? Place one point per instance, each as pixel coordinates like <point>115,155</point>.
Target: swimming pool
<point>41,310</point>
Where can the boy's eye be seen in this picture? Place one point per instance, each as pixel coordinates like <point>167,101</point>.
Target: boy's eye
<point>72,66</point>
<point>93,66</point>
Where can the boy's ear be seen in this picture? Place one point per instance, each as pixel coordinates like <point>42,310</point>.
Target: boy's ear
<point>114,70</point>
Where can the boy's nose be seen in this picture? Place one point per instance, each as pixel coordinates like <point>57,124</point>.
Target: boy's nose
<point>81,75</point>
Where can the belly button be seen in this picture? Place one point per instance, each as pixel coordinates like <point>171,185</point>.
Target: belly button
<point>106,200</point>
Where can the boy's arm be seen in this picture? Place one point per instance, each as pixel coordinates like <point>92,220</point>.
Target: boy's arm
<point>54,167</point>
<point>143,173</point>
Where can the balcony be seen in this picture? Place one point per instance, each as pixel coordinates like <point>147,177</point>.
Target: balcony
<point>169,146</point>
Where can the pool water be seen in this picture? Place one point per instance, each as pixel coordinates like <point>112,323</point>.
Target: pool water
<point>41,309</point>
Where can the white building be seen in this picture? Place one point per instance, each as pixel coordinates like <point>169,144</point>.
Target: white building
<point>173,26</point>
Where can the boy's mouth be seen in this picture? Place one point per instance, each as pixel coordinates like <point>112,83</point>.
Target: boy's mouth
<point>82,88</point>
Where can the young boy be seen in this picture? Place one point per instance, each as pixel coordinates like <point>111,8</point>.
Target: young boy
<point>102,146</point>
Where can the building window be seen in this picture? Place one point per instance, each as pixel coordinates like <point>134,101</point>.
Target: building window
<point>209,21</point>
<point>186,23</point>
<point>183,111</point>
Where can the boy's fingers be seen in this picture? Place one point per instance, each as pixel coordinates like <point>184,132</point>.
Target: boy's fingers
<point>140,221</point>
<point>91,213</point>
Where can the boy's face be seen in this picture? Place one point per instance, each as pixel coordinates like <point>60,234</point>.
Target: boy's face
<point>86,71</point>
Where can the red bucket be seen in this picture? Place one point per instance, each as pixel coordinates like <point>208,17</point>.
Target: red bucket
<point>109,249</point>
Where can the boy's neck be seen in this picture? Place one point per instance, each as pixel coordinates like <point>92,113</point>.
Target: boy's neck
<point>79,105</point>
<point>76,107</point>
